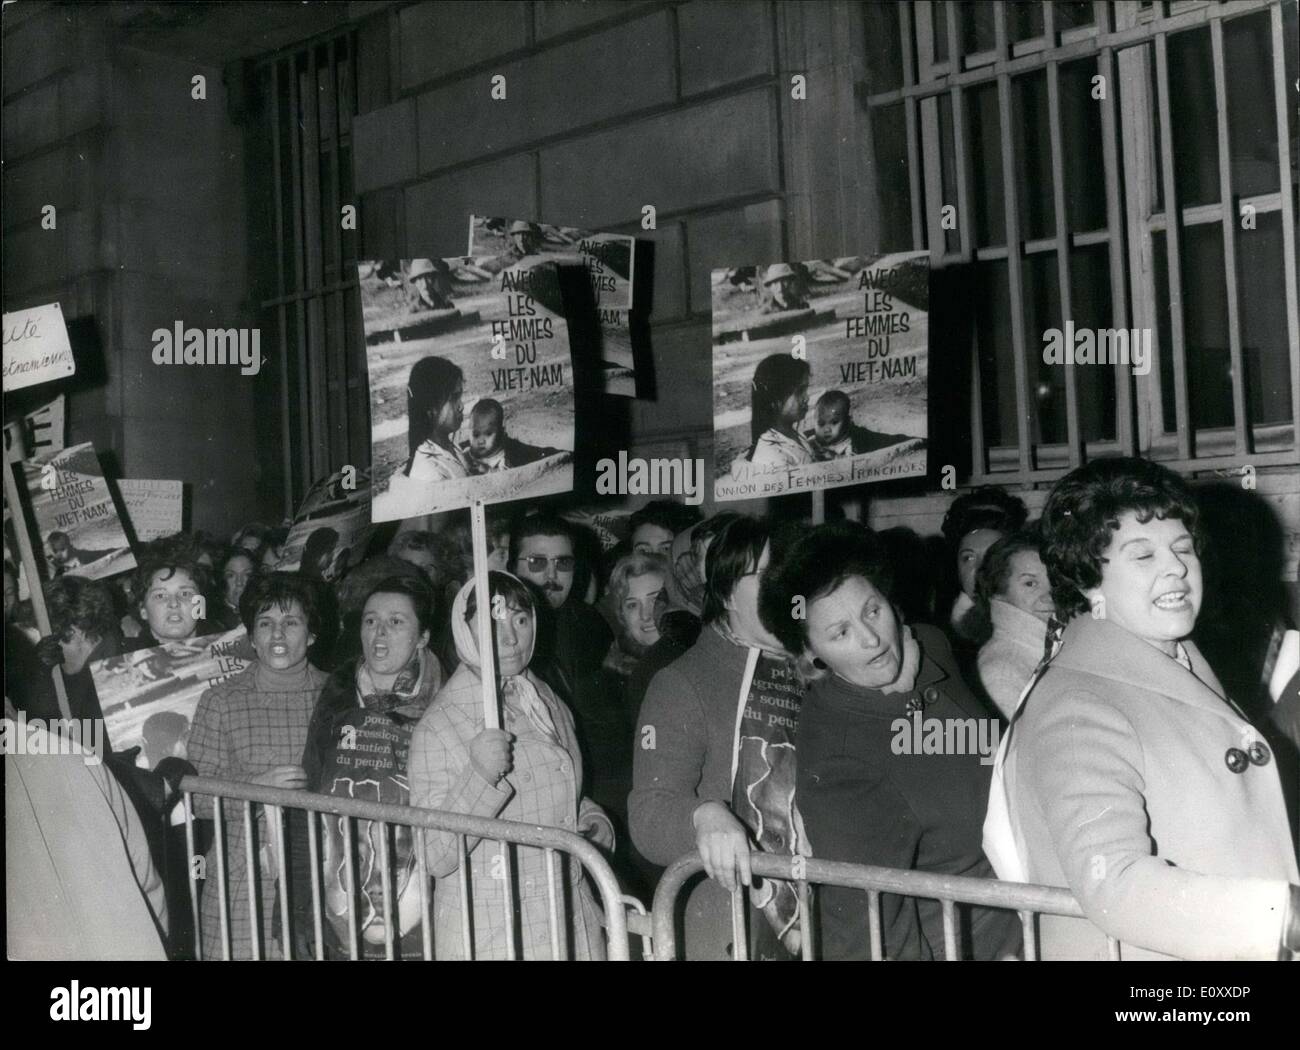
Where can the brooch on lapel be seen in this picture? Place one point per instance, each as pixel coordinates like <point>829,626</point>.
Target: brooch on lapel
<point>918,703</point>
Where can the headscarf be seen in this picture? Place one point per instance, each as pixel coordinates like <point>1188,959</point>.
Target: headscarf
<point>518,688</point>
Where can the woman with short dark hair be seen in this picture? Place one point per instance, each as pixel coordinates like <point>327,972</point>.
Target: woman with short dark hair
<point>864,798</point>
<point>1012,587</point>
<point>974,522</point>
<point>1130,777</point>
<point>356,748</point>
<point>699,785</point>
<point>253,727</point>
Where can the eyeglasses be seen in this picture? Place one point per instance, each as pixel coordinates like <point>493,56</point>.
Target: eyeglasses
<point>538,562</point>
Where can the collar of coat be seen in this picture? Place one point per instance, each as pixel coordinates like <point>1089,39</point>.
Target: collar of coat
<point>1104,649</point>
<point>1013,624</point>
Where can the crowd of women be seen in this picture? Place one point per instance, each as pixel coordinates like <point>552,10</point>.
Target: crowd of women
<point>732,685</point>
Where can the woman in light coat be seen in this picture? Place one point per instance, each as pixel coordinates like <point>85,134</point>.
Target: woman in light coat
<point>1012,585</point>
<point>528,771</point>
<point>1130,778</point>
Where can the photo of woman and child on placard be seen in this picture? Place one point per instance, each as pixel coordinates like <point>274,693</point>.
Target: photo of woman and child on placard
<point>435,411</point>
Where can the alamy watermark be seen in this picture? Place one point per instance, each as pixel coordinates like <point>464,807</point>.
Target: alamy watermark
<point>946,736</point>
<point>651,477</point>
<point>1098,346</point>
<point>179,345</point>
<point>53,736</point>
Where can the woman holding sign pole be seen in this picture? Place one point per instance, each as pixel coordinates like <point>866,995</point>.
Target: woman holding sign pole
<point>529,771</point>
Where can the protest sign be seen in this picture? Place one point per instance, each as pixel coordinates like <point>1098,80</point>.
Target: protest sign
<point>41,431</point>
<point>148,697</point>
<point>154,508</point>
<point>471,385</point>
<point>78,523</point>
<point>497,244</point>
<point>820,372</point>
<point>331,529</point>
<point>36,347</point>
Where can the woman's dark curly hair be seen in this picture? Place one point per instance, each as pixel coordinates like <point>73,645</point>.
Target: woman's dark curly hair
<point>281,590</point>
<point>814,566</point>
<point>987,507</point>
<point>76,602</point>
<point>995,570</point>
<point>1084,509</point>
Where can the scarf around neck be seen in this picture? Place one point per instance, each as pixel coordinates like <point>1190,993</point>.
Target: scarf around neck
<point>517,689</point>
<point>405,688</point>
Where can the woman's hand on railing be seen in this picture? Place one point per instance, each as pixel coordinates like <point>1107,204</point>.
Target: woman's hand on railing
<point>723,843</point>
<point>294,778</point>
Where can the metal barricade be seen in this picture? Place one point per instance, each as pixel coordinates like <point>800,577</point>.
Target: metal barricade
<point>276,800</point>
<point>949,890</point>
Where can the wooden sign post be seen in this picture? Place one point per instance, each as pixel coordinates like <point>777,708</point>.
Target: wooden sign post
<point>13,455</point>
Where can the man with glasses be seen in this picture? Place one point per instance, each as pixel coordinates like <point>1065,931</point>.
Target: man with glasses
<point>544,554</point>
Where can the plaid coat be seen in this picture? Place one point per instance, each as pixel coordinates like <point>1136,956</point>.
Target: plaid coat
<point>244,726</point>
<point>544,787</point>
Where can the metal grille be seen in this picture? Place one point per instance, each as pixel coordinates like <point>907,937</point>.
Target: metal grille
<point>986,91</point>
<point>310,299</point>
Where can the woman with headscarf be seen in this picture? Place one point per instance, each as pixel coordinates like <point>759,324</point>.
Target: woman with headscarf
<point>1129,776</point>
<point>779,402</point>
<point>435,410</point>
<point>356,748</point>
<point>529,771</point>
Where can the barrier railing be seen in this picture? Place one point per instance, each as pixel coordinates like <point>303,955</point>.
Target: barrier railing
<point>277,800</point>
<point>949,890</point>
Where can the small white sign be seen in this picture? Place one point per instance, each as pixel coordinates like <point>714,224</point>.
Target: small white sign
<point>36,347</point>
<point>155,508</point>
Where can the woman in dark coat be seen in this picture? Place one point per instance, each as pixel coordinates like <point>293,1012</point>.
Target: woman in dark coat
<point>868,794</point>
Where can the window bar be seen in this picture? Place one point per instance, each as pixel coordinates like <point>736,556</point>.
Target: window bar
<point>422,873</point>
<point>1073,437</point>
<point>334,217</point>
<point>254,881</point>
<point>1239,420</point>
<point>462,871</point>
<point>1281,95</point>
<point>804,894</point>
<point>978,459</point>
<point>1011,205</point>
<point>924,40</point>
<point>954,37</point>
<point>1027,936</point>
<point>313,851</point>
<point>277,168</point>
<point>739,938</point>
<point>909,118</point>
<point>552,905</point>
<point>1114,224</point>
<point>352,888</point>
<point>286,926</point>
<point>965,221</point>
<point>304,405</point>
<point>389,898</point>
<point>318,452</point>
<point>1049,27</point>
<point>873,926</point>
<point>508,895</point>
<point>223,888</point>
<point>193,875</point>
<point>1173,236</point>
<point>932,152</point>
<point>951,950</point>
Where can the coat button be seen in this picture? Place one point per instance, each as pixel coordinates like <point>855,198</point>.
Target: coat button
<point>1259,753</point>
<point>526,777</point>
<point>931,694</point>
<point>1236,760</point>
<point>564,767</point>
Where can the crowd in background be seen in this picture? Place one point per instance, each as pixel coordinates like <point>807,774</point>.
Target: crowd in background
<point>633,683</point>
